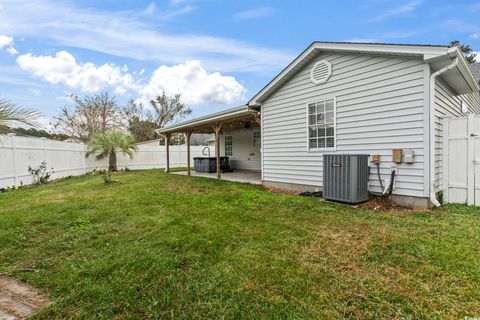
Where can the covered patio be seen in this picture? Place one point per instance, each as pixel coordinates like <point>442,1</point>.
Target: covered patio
<point>229,120</point>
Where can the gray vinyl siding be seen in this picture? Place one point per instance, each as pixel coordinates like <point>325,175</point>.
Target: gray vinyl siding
<point>245,155</point>
<point>447,104</point>
<point>473,101</point>
<point>380,106</point>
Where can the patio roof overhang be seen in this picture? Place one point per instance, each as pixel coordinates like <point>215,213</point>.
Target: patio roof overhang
<point>230,119</point>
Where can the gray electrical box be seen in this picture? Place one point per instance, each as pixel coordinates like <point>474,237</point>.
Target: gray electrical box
<point>345,177</point>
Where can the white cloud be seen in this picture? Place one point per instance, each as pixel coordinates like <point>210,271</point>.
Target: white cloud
<point>45,124</point>
<point>152,11</point>
<point>190,79</point>
<point>254,13</point>
<point>130,35</point>
<point>5,41</point>
<point>12,51</point>
<point>477,57</point>
<point>405,8</point>
<point>63,68</point>
<point>195,84</point>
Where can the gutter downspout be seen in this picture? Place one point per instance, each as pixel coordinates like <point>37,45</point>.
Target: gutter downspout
<point>433,76</point>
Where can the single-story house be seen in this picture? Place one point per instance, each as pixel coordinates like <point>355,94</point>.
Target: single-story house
<point>354,98</point>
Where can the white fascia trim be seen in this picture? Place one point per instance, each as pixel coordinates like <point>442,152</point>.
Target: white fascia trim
<point>382,48</point>
<point>465,70</point>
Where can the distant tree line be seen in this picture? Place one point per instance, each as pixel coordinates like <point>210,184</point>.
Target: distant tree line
<point>101,113</point>
<point>40,133</point>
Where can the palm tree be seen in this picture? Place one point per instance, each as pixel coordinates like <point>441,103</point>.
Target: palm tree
<point>107,144</point>
<point>11,114</point>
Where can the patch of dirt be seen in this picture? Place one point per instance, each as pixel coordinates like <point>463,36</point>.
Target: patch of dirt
<point>199,190</point>
<point>384,204</point>
<point>282,191</point>
<point>337,248</point>
<point>19,300</point>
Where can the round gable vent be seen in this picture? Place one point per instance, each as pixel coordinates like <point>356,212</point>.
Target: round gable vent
<point>321,72</point>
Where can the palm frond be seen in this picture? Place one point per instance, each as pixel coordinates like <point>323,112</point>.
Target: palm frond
<point>103,144</point>
<point>11,114</point>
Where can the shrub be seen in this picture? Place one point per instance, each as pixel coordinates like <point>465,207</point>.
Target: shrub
<point>107,176</point>
<point>40,173</point>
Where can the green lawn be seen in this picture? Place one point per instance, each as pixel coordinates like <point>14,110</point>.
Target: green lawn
<point>167,246</point>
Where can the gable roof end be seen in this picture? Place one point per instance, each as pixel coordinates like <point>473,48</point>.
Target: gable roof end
<point>424,52</point>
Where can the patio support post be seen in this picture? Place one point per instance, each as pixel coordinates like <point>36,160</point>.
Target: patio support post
<point>217,128</point>
<point>188,134</point>
<point>167,151</point>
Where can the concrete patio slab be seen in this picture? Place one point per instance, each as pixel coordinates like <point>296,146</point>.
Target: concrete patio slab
<point>251,177</point>
<point>18,300</point>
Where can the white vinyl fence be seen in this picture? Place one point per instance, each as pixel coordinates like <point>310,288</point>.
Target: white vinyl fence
<point>68,158</point>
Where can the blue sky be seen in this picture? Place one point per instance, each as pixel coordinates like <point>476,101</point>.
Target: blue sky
<point>217,54</point>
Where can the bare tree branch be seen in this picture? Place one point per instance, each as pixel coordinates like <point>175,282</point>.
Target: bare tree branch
<point>142,123</point>
<point>89,115</point>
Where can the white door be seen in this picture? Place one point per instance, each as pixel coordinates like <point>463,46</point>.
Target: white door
<point>462,160</point>
<point>245,150</point>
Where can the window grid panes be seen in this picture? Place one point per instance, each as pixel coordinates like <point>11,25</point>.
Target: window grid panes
<point>321,124</point>
<point>228,146</point>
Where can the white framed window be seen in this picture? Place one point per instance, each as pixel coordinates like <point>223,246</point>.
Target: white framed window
<point>322,124</point>
<point>228,147</point>
<point>256,139</point>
